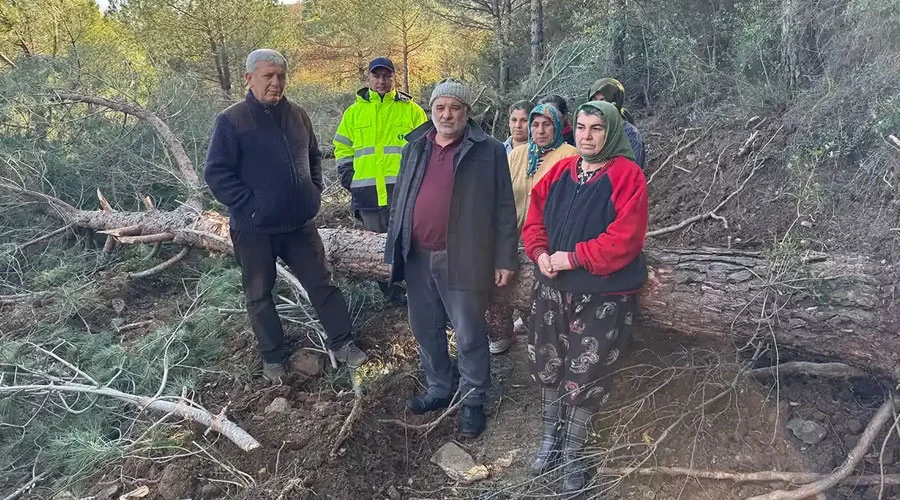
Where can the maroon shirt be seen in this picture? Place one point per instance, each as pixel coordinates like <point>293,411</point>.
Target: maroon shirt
<point>431,211</point>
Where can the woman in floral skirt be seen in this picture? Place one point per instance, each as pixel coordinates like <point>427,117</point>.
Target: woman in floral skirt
<point>585,230</point>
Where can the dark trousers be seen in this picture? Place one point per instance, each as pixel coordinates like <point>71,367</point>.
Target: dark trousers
<point>429,296</point>
<point>377,221</point>
<point>304,254</point>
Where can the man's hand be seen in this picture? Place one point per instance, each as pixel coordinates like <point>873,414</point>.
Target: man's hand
<point>502,277</point>
<point>546,266</point>
<point>559,261</point>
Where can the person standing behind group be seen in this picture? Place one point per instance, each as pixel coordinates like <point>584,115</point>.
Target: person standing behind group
<point>585,231</point>
<point>264,164</point>
<point>367,148</point>
<point>527,164</point>
<point>559,102</point>
<point>452,237</point>
<point>518,125</point>
<point>613,92</point>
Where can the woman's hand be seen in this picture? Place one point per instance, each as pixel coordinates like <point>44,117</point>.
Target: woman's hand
<point>545,266</point>
<point>559,261</point>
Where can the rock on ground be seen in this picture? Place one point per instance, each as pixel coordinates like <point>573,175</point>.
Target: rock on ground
<point>278,405</point>
<point>458,464</point>
<point>306,364</point>
<point>808,431</point>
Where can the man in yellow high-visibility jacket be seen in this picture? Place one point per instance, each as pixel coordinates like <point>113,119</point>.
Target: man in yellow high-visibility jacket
<point>368,143</point>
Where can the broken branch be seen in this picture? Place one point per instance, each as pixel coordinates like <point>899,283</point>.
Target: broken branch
<point>23,297</point>
<point>45,237</point>
<point>182,407</point>
<point>188,173</point>
<point>853,458</point>
<point>25,487</point>
<point>675,153</point>
<point>746,477</point>
<point>145,239</point>
<point>165,265</point>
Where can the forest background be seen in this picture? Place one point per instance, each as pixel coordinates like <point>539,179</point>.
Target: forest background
<point>808,89</point>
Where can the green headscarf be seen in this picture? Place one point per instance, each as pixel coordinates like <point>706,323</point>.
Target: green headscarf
<point>616,142</point>
<point>613,92</point>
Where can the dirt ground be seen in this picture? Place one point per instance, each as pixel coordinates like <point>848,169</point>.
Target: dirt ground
<point>662,384</point>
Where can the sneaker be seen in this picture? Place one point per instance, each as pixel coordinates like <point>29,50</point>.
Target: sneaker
<point>274,372</point>
<point>499,346</point>
<point>350,354</point>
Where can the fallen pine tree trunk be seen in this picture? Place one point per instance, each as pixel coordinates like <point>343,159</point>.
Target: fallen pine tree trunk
<point>832,306</point>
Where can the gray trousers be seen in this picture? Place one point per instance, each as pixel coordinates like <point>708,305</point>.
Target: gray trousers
<point>428,297</point>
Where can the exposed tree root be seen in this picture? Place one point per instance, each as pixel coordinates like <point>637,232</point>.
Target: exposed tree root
<point>827,370</point>
<point>425,429</point>
<point>748,477</point>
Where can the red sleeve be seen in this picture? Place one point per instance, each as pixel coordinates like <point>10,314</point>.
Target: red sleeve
<point>534,234</point>
<point>624,237</point>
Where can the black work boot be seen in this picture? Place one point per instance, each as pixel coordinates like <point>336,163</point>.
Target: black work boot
<point>424,403</point>
<point>471,421</point>
<point>574,466</point>
<point>548,455</point>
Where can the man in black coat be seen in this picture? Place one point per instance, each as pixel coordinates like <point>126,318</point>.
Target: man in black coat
<point>264,163</point>
<point>453,237</point>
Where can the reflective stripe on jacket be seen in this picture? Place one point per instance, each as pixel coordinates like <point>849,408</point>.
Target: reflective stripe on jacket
<point>369,141</point>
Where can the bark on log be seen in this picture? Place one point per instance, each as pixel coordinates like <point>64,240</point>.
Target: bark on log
<point>837,307</point>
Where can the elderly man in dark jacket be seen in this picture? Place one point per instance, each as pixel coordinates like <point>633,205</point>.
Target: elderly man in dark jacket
<point>264,163</point>
<point>453,237</point>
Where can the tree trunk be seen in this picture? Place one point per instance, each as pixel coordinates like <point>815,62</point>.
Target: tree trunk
<point>537,36</point>
<point>837,307</point>
<point>620,28</point>
<point>800,53</point>
<point>500,37</point>
<point>790,49</point>
<point>406,61</point>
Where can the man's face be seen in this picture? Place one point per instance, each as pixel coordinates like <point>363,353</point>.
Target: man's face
<point>590,134</point>
<point>266,82</point>
<point>542,131</point>
<point>449,117</point>
<point>381,80</point>
<point>518,125</point>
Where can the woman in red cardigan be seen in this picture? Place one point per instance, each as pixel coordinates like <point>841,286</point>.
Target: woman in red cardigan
<point>585,230</point>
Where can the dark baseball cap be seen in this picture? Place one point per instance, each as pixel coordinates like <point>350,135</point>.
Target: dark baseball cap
<point>381,62</point>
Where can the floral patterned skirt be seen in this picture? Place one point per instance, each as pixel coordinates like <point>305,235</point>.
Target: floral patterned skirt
<point>575,340</point>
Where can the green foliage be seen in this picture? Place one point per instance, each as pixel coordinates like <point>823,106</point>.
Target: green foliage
<point>82,447</point>
<point>75,445</point>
